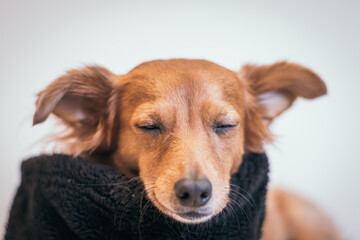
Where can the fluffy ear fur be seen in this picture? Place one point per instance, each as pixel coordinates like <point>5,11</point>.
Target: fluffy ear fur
<point>273,89</point>
<point>84,100</point>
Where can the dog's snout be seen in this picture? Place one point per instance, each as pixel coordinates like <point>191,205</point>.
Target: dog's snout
<point>193,193</point>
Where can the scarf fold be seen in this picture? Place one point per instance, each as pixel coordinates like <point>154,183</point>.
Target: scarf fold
<point>62,197</point>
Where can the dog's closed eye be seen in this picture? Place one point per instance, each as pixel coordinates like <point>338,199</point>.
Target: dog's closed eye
<point>149,127</point>
<point>224,127</point>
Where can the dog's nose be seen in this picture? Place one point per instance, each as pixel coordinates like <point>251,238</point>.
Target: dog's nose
<point>193,193</point>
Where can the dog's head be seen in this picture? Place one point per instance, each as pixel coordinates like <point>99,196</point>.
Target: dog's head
<point>182,125</point>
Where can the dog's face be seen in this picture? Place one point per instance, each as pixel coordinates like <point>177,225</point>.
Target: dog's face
<point>183,128</point>
<point>182,125</point>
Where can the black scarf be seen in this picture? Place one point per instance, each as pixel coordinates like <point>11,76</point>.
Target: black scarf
<point>62,197</point>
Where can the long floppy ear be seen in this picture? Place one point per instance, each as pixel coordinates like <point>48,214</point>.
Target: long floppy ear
<point>273,89</point>
<point>84,100</point>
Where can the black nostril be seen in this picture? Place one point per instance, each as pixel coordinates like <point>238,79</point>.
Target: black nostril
<point>204,195</point>
<point>184,196</point>
<point>193,193</point>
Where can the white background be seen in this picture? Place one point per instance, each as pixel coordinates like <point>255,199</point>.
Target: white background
<point>316,151</point>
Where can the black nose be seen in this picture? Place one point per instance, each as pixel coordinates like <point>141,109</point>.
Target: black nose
<point>193,193</point>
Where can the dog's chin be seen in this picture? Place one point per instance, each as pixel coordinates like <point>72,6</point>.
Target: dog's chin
<point>191,217</point>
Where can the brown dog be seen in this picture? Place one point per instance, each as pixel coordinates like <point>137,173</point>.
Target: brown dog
<point>183,126</point>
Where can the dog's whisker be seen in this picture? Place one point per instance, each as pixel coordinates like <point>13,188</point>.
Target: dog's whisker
<point>126,207</point>
<point>235,215</point>
<point>245,191</point>
<point>251,202</point>
<point>231,201</point>
<point>241,196</point>
<point>141,216</point>
<point>136,195</point>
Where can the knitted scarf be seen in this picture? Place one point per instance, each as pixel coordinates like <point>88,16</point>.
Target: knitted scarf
<point>62,197</point>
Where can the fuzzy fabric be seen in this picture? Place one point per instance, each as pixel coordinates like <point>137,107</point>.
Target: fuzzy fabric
<point>61,197</point>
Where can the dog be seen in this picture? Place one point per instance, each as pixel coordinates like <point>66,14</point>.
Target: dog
<point>183,126</point>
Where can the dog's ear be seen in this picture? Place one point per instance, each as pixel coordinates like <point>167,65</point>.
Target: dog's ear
<point>83,99</point>
<point>273,89</point>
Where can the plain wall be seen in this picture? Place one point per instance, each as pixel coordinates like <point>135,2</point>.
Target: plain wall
<point>315,152</point>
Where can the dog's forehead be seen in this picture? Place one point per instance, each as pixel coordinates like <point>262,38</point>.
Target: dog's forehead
<point>179,84</point>
<point>161,77</point>
<point>175,67</point>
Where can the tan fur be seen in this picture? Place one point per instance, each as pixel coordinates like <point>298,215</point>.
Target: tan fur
<point>186,100</point>
<point>292,217</point>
